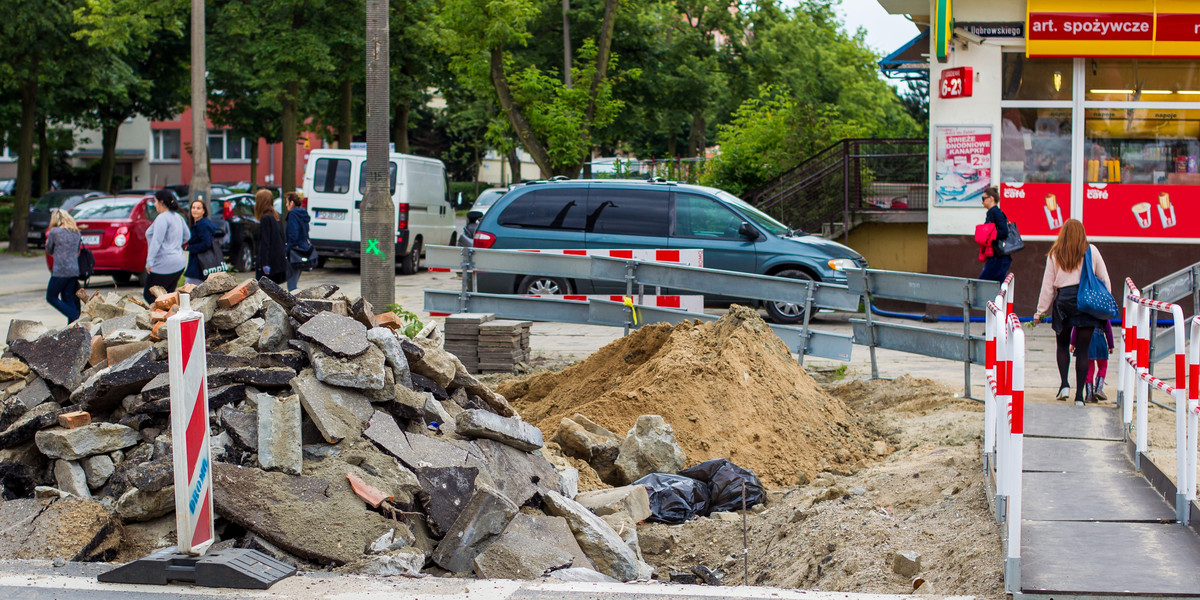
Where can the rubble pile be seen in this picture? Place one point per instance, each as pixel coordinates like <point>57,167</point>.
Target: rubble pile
<point>337,441</point>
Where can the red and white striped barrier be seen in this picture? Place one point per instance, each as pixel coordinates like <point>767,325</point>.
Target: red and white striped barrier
<point>997,312</point>
<point>1004,417</point>
<point>690,257</point>
<point>1187,479</point>
<point>693,304</point>
<point>189,429</point>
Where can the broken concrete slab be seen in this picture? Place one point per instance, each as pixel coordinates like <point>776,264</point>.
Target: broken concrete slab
<point>58,358</point>
<point>335,306</point>
<point>27,425</point>
<point>364,313</point>
<point>242,426</point>
<point>597,539</point>
<point>518,475</point>
<point>34,393</point>
<point>598,450</point>
<point>97,469</point>
<point>517,556</point>
<point>126,322</point>
<point>137,505</point>
<point>21,329</point>
<point>338,413</point>
<point>513,432</point>
<point>649,448</point>
<point>406,561</point>
<point>279,434</point>
<point>70,478</point>
<point>337,335</point>
<point>71,528</point>
<point>284,508</point>
<point>82,442</point>
<point>120,337</point>
<point>445,491</point>
<point>386,340</point>
<point>482,519</point>
<point>550,530</point>
<point>581,575</point>
<point>230,318</point>
<point>435,363</point>
<point>214,284</point>
<point>497,403</point>
<point>282,297</point>
<point>11,369</point>
<point>118,354</point>
<point>276,330</point>
<point>414,450</point>
<point>632,501</point>
<point>102,391</point>
<point>318,292</point>
<point>364,371</point>
<point>249,330</point>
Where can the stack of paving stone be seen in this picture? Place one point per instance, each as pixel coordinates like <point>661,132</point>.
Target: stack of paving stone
<point>462,337</point>
<point>502,344</point>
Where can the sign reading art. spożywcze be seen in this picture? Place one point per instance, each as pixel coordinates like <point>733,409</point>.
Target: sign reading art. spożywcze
<point>1124,28</point>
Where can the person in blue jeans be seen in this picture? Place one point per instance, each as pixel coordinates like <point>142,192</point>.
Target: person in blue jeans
<point>996,267</point>
<point>62,245</point>
<point>297,239</point>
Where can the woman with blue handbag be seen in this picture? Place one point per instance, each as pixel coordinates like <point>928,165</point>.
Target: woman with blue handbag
<point>1076,292</point>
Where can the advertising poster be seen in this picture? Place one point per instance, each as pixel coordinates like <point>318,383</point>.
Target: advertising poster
<point>1037,208</point>
<point>1141,210</point>
<point>963,165</point>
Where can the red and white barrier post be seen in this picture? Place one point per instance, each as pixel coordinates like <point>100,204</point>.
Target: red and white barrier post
<point>189,429</point>
<point>1015,451</point>
<point>1127,366</point>
<point>1187,480</point>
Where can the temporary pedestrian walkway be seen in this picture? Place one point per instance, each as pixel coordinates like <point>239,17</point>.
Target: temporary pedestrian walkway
<point>1091,524</point>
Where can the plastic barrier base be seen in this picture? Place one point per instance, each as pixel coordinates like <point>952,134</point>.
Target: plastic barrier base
<point>234,568</point>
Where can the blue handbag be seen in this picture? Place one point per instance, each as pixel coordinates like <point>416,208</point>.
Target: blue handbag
<point>1094,299</point>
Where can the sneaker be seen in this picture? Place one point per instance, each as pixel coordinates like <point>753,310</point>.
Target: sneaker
<point>1099,389</point>
<point>1078,402</point>
<point>1063,393</point>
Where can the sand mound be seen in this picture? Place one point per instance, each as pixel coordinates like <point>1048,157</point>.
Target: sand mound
<point>905,394</point>
<point>730,389</point>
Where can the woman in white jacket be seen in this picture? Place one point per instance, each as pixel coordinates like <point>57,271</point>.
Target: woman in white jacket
<point>165,257</point>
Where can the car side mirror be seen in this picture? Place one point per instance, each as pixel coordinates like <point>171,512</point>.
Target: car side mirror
<point>747,231</point>
<point>474,216</point>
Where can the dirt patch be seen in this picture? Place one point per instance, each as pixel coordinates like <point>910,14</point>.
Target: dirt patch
<point>730,389</point>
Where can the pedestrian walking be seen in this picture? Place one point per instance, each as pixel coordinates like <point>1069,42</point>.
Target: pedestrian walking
<point>165,256</point>
<point>204,235</point>
<point>1059,298</point>
<point>272,261</point>
<point>1098,353</point>
<point>298,246</point>
<point>63,245</point>
<point>996,265</point>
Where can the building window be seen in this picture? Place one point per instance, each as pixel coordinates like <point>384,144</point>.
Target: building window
<point>166,145</point>
<point>226,145</point>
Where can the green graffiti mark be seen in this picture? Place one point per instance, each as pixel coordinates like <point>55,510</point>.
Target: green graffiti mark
<point>373,248</point>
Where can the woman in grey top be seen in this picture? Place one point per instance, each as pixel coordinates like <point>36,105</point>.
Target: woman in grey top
<point>165,257</point>
<point>62,245</point>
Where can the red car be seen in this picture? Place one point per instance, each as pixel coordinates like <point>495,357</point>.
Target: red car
<point>114,229</point>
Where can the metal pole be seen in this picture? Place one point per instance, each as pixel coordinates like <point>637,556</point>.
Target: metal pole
<point>808,307</point>
<point>468,274</point>
<point>870,322</point>
<point>846,192</point>
<point>967,339</point>
<point>630,280</point>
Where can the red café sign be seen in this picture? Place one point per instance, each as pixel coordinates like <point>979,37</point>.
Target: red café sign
<point>956,83</point>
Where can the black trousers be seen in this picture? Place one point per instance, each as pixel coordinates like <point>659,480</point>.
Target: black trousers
<point>167,280</point>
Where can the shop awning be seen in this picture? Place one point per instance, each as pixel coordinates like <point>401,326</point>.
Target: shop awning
<point>910,61</point>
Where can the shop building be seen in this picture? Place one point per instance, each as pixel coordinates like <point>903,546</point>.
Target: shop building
<point>1086,110</point>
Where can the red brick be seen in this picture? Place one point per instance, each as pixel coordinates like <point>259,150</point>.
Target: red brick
<point>244,290</point>
<point>99,351</point>
<point>165,302</point>
<point>369,493</point>
<point>389,320</point>
<point>154,335</point>
<point>158,315</point>
<point>116,354</point>
<point>74,420</point>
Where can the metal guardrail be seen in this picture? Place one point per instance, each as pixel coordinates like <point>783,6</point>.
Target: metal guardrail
<point>1173,289</point>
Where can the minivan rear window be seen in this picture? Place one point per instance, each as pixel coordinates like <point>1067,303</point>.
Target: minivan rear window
<point>331,176</point>
<point>628,212</point>
<point>362,181</point>
<point>547,209</point>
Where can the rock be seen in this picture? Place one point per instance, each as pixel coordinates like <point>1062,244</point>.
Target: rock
<point>600,450</point>
<point>279,434</point>
<point>124,321</point>
<point>730,517</point>
<point>151,475</point>
<point>654,543</point>
<point>27,425</point>
<point>207,307</point>
<point>570,480</point>
<point>497,403</point>
<point>445,491</point>
<point>649,448</point>
<point>406,561</point>
<point>631,501</point>
<point>103,390</point>
<point>241,426</point>
<point>318,292</point>
<point>482,519</point>
<point>20,329</point>
<point>338,413</point>
<point>550,530</point>
<point>266,503</point>
<point>70,528</point>
<point>282,297</point>
<point>118,354</point>
<point>70,478</point>
<point>277,329</point>
<point>35,393</point>
<point>707,575</point>
<point>599,542</point>
<point>74,444</point>
<point>386,341</point>
<point>422,383</point>
<point>364,313</point>
<point>435,363</point>
<point>230,318</point>
<point>214,284</point>
<point>626,529</point>
<point>484,424</point>
<point>137,505</point>
<point>517,556</point>
<point>386,543</point>
<point>337,335</point>
<point>906,563</point>
<point>581,575</point>
<point>520,476</point>
<point>11,368</point>
<point>364,371</point>
<point>414,450</point>
<point>97,469</point>
<point>58,358</point>
<point>120,337</point>
<point>334,306</point>
<point>250,330</point>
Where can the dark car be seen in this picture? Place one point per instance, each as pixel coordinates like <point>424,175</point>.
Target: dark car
<point>234,218</point>
<point>632,214</point>
<point>114,229</point>
<point>39,213</point>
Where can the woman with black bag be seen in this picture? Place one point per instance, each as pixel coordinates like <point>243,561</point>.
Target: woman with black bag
<point>272,261</point>
<point>63,244</point>
<point>997,265</point>
<point>201,245</point>
<point>299,247</point>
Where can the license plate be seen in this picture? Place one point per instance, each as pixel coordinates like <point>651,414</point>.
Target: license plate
<point>91,240</point>
<point>331,215</point>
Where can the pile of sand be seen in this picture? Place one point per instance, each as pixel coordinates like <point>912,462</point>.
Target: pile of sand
<point>730,388</point>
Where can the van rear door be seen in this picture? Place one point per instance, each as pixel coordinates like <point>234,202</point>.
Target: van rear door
<point>331,203</point>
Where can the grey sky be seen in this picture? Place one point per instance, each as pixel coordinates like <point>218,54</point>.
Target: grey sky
<point>885,33</point>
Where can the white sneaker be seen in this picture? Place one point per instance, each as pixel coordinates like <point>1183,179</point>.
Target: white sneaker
<point>1064,393</point>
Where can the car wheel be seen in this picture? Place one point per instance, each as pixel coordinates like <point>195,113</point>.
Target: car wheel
<point>411,262</point>
<point>122,278</point>
<point>787,313</point>
<point>544,286</point>
<point>244,260</point>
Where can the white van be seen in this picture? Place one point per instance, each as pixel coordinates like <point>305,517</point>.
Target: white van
<point>334,184</point>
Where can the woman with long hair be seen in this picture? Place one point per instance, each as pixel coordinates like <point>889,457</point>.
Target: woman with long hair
<point>297,239</point>
<point>63,244</point>
<point>272,261</point>
<point>1059,297</point>
<point>165,256</point>
<point>203,237</point>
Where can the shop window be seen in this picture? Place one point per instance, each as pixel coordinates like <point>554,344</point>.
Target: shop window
<point>1152,146</point>
<point>1036,79</point>
<point>1035,145</point>
<point>1141,80</point>
<point>166,145</point>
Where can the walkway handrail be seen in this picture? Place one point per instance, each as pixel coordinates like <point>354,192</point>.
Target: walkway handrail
<point>997,311</point>
<point>1187,479</point>
<point>1138,310</point>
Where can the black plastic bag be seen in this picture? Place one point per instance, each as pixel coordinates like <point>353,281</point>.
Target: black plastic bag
<point>675,499</point>
<point>725,482</point>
